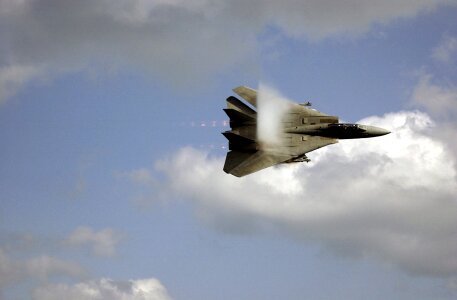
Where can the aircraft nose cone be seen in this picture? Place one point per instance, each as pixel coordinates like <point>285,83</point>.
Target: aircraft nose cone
<point>378,131</point>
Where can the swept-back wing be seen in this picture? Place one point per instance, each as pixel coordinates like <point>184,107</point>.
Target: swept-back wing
<point>300,144</point>
<point>293,146</point>
<point>243,163</point>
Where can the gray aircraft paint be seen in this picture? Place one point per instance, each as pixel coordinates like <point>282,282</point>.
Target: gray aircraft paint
<point>303,130</point>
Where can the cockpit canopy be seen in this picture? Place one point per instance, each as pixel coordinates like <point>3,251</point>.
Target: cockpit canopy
<point>348,127</point>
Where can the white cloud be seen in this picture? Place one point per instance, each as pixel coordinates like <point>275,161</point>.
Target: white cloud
<point>175,39</point>
<point>101,243</point>
<point>392,198</point>
<point>446,51</point>
<point>104,289</point>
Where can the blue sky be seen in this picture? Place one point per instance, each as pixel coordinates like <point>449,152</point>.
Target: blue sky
<point>110,183</point>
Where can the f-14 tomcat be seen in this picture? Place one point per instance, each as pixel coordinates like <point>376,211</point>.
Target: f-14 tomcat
<point>303,130</point>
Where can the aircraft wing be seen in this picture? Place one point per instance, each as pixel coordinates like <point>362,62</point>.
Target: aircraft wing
<point>308,143</point>
<point>243,163</point>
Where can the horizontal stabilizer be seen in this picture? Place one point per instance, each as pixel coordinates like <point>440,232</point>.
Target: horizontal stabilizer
<point>236,138</point>
<point>234,103</point>
<point>237,117</point>
<point>238,142</point>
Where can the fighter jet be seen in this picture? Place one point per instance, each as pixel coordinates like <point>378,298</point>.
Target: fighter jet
<point>303,130</point>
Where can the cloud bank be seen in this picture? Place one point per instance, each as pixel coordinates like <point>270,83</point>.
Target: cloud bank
<point>173,40</point>
<point>392,198</point>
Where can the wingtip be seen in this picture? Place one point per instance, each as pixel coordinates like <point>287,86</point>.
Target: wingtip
<point>239,88</point>
<point>247,93</point>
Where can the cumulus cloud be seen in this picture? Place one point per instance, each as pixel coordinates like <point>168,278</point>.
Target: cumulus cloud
<point>41,271</point>
<point>101,243</point>
<point>177,40</point>
<point>104,289</point>
<point>392,198</point>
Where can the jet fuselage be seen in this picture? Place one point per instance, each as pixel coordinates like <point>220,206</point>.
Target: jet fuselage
<point>339,130</point>
<point>299,130</point>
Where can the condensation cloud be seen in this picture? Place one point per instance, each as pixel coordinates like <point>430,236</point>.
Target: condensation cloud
<point>271,106</point>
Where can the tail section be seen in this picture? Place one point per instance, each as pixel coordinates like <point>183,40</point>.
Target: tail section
<point>234,103</point>
<point>245,155</point>
<point>239,113</point>
<point>239,142</point>
<point>243,124</point>
<point>238,118</point>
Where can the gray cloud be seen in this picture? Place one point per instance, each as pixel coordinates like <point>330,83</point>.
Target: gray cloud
<point>42,271</point>
<point>100,243</point>
<point>13,77</point>
<point>105,289</point>
<point>438,99</point>
<point>175,40</point>
<point>43,267</point>
<point>319,19</point>
<point>9,272</point>
<point>445,52</point>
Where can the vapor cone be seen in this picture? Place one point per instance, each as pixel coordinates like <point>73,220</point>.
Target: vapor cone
<point>271,107</point>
